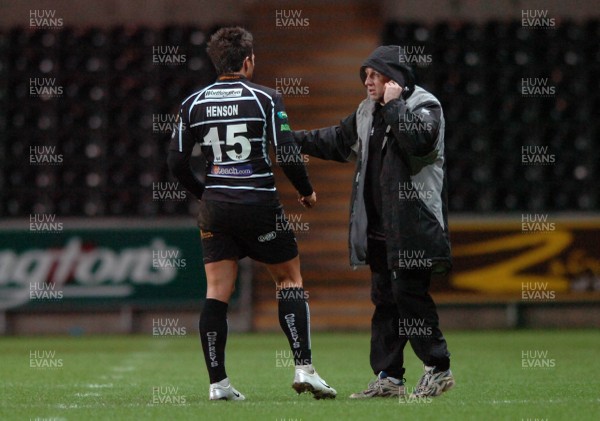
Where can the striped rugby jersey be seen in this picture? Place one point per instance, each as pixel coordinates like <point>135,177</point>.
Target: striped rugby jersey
<point>234,121</point>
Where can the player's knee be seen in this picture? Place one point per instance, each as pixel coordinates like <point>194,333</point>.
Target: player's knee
<point>221,292</point>
<point>288,282</point>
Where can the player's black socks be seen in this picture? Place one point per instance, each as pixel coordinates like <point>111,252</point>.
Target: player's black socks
<point>213,335</point>
<point>294,318</point>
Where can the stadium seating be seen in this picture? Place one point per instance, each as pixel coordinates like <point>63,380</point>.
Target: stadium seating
<point>488,119</point>
<point>102,121</point>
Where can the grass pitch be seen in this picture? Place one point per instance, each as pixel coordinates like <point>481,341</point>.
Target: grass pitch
<point>164,378</point>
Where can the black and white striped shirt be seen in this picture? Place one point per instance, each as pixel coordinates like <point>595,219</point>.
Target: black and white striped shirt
<point>234,121</point>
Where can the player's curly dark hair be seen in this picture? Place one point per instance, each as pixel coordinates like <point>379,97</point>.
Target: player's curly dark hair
<point>228,48</point>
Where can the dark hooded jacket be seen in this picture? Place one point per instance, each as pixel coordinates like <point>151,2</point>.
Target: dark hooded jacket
<point>413,169</point>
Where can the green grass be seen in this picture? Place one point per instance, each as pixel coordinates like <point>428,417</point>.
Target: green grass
<point>112,378</point>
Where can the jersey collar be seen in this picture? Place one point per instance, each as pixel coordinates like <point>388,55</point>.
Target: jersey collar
<point>231,76</point>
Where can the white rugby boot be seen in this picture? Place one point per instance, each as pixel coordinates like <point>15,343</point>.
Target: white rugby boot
<point>308,380</point>
<point>224,391</point>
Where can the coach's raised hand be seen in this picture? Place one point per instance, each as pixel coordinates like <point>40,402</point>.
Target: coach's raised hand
<point>308,201</point>
<point>392,91</point>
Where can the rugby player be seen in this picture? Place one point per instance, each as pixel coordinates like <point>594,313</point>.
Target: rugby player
<point>235,121</point>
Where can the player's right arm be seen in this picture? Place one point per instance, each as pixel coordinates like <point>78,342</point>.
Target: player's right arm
<point>180,151</point>
<point>335,143</point>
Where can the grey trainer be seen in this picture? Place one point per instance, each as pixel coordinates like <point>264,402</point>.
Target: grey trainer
<point>382,387</point>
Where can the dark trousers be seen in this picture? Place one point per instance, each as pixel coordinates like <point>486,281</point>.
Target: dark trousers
<point>404,312</point>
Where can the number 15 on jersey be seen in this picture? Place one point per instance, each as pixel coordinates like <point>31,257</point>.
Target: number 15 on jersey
<point>237,146</point>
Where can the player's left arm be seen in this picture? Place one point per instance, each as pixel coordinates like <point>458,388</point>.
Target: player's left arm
<point>287,151</point>
<point>180,152</point>
<point>416,130</point>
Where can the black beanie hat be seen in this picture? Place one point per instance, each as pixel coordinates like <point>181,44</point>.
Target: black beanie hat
<point>390,60</point>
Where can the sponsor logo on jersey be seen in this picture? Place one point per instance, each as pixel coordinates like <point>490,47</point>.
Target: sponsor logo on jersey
<point>238,171</point>
<point>223,93</point>
<point>282,115</point>
<point>267,237</point>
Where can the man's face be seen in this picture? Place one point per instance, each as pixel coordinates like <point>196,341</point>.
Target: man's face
<point>375,83</point>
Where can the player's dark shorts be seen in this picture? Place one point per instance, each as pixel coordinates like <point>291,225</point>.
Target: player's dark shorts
<point>234,231</point>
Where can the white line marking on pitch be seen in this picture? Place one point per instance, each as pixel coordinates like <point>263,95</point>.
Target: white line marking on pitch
<point>123,369</point>
<point>98,386</point>
<point>85,395</point>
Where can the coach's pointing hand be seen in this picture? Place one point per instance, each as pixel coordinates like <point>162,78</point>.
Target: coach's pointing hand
<point>308,201</point>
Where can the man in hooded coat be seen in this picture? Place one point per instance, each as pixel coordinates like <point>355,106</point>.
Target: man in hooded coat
<point>398,216</point>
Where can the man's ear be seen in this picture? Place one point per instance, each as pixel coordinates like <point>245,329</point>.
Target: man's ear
<point>247,62</point>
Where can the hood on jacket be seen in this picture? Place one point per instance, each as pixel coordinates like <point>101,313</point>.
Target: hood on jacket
<point>388,60</point>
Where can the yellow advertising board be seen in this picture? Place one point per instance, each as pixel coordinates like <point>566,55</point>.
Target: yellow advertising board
<point>533,255</point>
